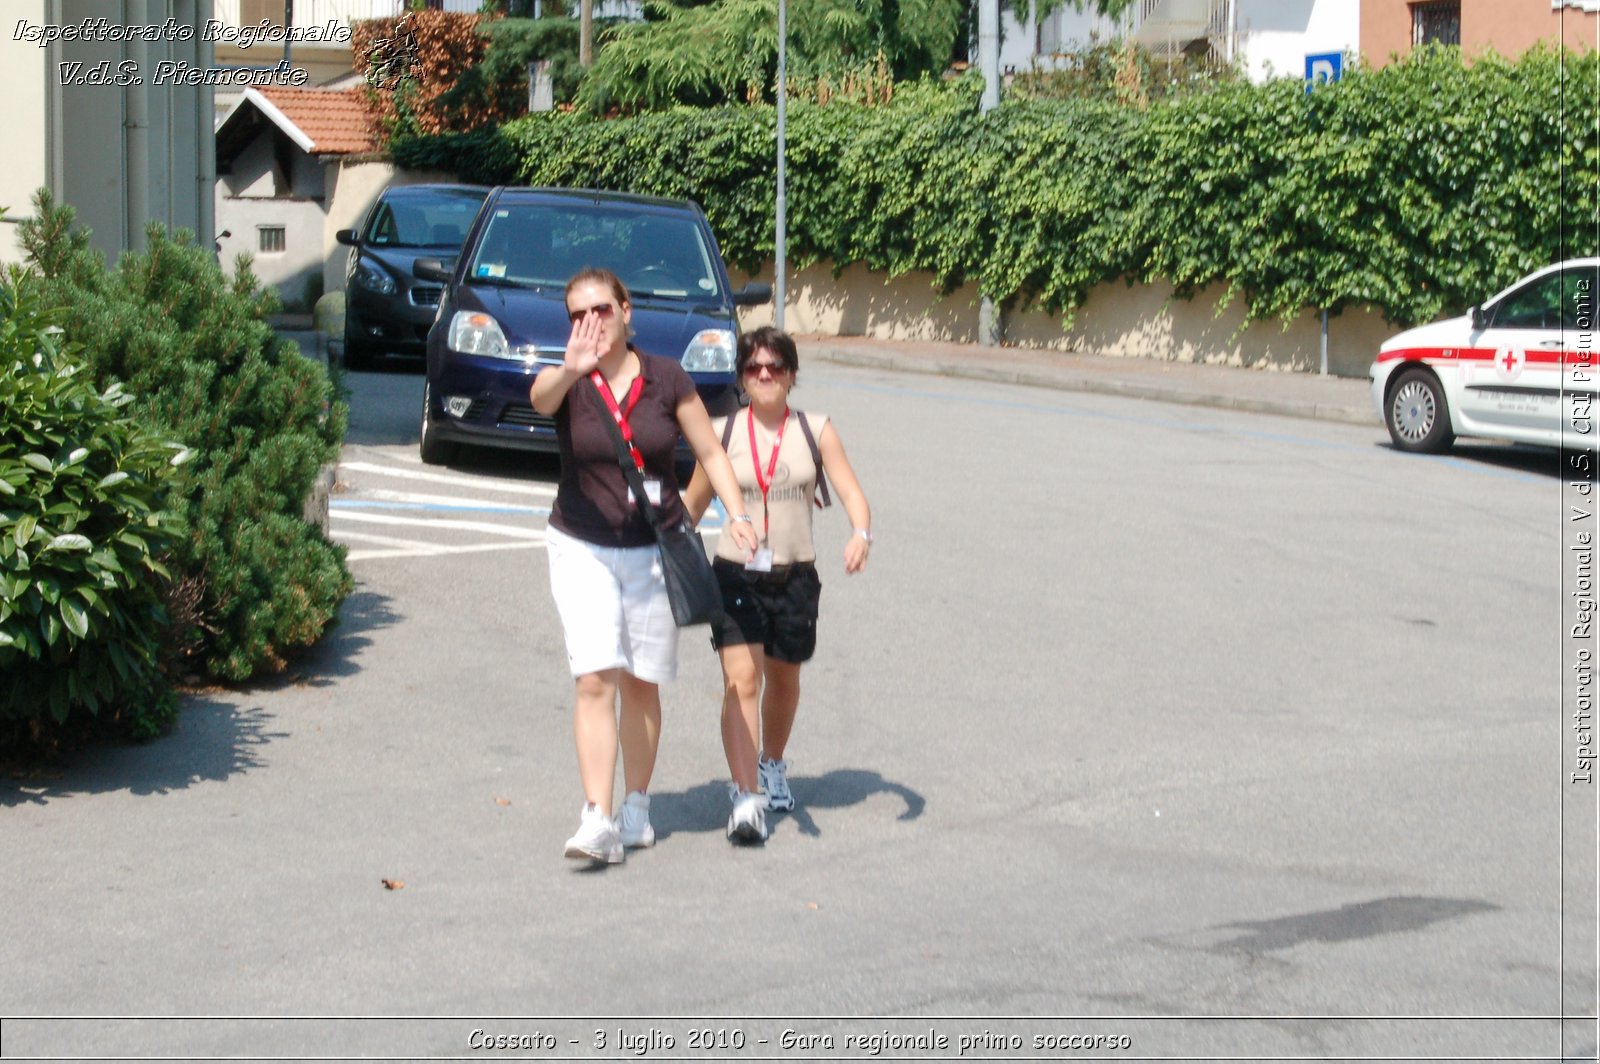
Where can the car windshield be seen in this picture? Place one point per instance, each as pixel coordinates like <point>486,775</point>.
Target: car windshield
<point>656,254</point>
<point>436,219</point>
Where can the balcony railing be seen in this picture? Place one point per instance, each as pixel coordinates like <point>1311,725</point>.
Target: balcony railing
<point>1167,27</point>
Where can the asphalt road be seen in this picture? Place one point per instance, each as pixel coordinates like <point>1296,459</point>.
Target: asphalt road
<point>1229,735</point>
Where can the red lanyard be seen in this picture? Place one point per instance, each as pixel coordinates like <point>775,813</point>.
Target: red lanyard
<point>621,414</point>
<point>765,482</point>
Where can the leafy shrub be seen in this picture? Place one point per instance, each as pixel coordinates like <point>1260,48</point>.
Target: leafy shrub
<point>423,74</point>
<point>197,350</point>
<point>82,531</point>
<point>1417,188</point>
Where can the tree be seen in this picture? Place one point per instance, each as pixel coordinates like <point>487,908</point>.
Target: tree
<point>726,50</point>
<point>1111,9</point>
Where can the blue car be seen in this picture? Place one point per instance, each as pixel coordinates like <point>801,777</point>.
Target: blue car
<point>503,313</point>
<point>388,310</point>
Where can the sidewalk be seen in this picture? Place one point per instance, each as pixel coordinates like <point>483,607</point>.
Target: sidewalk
<point>1304,395</point>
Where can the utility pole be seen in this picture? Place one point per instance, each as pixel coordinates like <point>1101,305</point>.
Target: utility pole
<point>989,62</point>
<point>585,33</point>
<point>779,288</point>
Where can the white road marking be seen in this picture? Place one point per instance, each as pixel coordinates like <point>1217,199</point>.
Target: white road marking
<point>433,552</point>
<point>457,501</point>
<point>488,483</point>
<point>536,534</point>
<point>386,541</point>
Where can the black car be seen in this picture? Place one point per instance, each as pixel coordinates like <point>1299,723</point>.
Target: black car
<point>504,313</point>
<point>386,308</point>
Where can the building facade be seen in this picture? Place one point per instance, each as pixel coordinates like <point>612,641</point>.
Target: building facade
<point>100,114</point>
<point>1268,38</point>
<point>1391,29</point>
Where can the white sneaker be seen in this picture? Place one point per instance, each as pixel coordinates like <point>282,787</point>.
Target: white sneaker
<point>747,824</point>
<point>775,782</point>
<point>634,823</point>
<point>596,839</point>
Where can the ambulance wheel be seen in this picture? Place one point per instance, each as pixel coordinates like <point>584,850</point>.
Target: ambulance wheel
<point>1416,415</point>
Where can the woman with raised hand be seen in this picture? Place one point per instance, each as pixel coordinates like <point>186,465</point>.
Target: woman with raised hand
<point>770,598</point>
<point>604,573</point>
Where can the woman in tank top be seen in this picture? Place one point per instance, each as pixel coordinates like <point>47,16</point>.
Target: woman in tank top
<point>770,601</point>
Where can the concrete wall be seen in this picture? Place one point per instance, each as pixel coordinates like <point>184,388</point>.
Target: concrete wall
<point>1511,27</point>
<point>27,125</point>
<point>1275,36</point>
<point>291,270</point>
<point>121,155</point>
<point>1143,321</point>
<point>257,193</point>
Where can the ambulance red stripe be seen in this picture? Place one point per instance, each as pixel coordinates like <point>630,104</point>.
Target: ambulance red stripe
<point>1533,356</point>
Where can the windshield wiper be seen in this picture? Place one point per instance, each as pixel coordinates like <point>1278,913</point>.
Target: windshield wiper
<point>506,282</point>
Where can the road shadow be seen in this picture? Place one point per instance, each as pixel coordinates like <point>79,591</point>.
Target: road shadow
<point>704,808</point>
<point>334,656</point>
<point>1507,457</point>
<point>214,739</point>
<point>219,732</point>
<point>1348,923</point>
<point>507,464</point>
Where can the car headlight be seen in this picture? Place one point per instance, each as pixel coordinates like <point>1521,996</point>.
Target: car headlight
<point>711,351</point>
<point>475,333</point>
<point>373,279</point>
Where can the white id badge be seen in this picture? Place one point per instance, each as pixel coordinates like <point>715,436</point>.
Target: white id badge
<point>652,491</point>
<point>762,562</point>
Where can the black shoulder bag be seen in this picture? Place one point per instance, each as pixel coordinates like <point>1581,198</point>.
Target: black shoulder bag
<point>691,585</point>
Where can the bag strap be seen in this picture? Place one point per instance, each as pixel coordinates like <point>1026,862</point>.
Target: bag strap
<point>727,431</point>
<point>624,459</point>
<point>816,458</point>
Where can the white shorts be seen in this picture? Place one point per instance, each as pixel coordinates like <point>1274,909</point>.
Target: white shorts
<point>613,607</point>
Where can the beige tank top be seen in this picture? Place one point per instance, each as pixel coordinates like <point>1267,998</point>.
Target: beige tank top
<point>786,517</point>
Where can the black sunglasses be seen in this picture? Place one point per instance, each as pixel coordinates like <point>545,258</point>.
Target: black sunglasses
<point>603,309</point>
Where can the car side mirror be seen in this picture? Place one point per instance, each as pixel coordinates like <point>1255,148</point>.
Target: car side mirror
<point>753,295</point>
<point>1478,318</point>
<point>347,237</point>
<point>432,270</point>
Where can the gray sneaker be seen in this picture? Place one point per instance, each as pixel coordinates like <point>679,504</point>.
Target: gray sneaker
<point>634,823</point>
<point>775,782</point>
<point>747,824</point>
<point>597,840</point>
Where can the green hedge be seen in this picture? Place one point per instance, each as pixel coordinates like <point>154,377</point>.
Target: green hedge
<point>1417,188</point>
<point>83,528</point>
<point>253,579</point>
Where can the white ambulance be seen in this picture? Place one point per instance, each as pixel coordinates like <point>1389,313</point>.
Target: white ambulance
<point>1505,370</point>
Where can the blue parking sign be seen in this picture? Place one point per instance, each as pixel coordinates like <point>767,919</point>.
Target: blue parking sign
<point>1323,67</point>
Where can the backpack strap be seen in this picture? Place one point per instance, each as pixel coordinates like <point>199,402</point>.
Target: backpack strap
<point>727,430</point>
<point>816,458</point>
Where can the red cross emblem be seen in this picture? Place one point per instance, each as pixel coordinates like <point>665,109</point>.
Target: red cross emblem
<point>1508,363</point>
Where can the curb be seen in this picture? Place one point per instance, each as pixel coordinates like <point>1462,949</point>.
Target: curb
<point>1069,382</point>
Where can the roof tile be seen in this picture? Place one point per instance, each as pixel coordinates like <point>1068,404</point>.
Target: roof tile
<point>335,119</point>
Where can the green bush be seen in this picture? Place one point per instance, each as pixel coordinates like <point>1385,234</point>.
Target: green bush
<point>197,349</point>
<point>82,531</point>
<point>1417,188</point>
